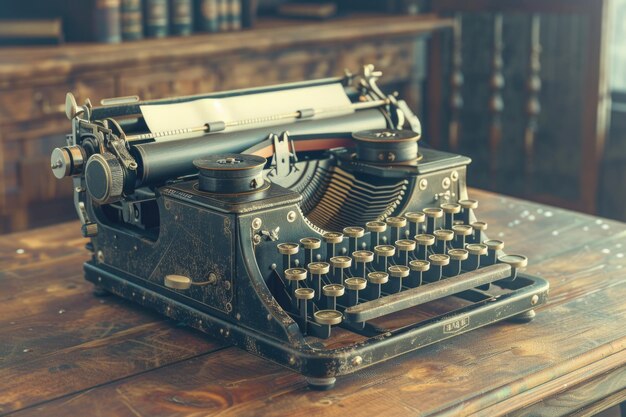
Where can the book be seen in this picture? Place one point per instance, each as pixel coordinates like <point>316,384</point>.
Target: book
<point>31,32</point>
<point>308,10</point>
<point>181,16</point>
<point>208,16</point>
<point>131,19</point>
<point>156,18</point>
<point>107,21</point>
<point>223,15</point>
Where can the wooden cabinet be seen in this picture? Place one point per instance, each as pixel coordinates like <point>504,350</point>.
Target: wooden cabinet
<point>33,85</point>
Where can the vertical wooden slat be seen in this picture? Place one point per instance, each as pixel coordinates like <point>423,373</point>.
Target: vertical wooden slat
<point>533,105</point>
<point>456,83</point>
<point>496,104</point>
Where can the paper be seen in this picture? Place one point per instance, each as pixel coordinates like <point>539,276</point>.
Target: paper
<point>252,108</point>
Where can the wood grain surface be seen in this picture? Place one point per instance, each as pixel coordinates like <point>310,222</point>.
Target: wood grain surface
<point>66,352</point>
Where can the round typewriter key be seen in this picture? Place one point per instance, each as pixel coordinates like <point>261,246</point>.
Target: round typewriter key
<point>363,256</point>
<point>479,226</point>
<point>333,237</point>
<point>287,248</point>
<point>425,239</point>
<point>419,265</point>
<point>493,244</point>
<point>385,250</point>
<point>476,249</point>
<point>304,293</point>
<point>378,277</point>
<point>405,245</point>
<point>319,268</point>
<point>355,284</point>
<point>415,217</point>
<point>328,317</point>
<point>432,212</point>
<point>399,271</point>
<point>295,274</point>
<point>333,290</point>
<point>458,254</point>
<point>444,235</point>
<point>377,227</point>
<point>451,208</point>
<point>439,259</point>
<point>341,262</point>
<point>177,282</point>
<point>310,242</point>
<point>354,232</point>
<point>516,261</point>
<point>468,204</point>
<point>462,229</point>
<point>396,221</point>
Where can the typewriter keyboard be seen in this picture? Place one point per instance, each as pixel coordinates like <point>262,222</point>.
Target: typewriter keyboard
<point>351,277</point>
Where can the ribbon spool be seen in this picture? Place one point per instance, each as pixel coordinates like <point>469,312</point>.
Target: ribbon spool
<point>386,146</point>
<point>231,173</point>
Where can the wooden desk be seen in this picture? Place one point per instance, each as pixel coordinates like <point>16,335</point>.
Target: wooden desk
<point>65,352</point>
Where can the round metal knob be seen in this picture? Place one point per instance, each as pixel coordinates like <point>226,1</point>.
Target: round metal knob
<point>462,229</point>
<point>354,232</point>
<point>476,249</point>
<point>288,248</point>
<point>333,237</point>
<point>516,261</point>
<point>341,262</point>
<point>177,282</point>
<point>458,254</point>
<point>319,268</point>
<point>355,283</point>
<point>494,244</point>
<point>425,239</point>
<point>377,227</point>
<point>333,290</point>
<point>295,274</point>
<point>435,213</point>
<point>328,317</point>
<point>405,245</point>
<point>304,293</point>
<point>479,226</point>
<point>396,221</point>
<point>439,259</point>
<point>363,256</point>
<point>415,217</point>
<point>385,250</point>
<point>451,208</point>
<point>468,204</point>
<point>104,177</point>
<point>419,265</point>
<point>444,235</point>
<point>310,243</point>
<point>399,271</point>
<point>378,277</point>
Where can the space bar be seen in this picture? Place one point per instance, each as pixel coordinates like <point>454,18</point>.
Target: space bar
<point>425,293</point>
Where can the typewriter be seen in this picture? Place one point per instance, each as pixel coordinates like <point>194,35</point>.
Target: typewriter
<point>300,222</point>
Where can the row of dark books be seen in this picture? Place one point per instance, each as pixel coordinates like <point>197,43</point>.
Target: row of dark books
<point>136,19</point>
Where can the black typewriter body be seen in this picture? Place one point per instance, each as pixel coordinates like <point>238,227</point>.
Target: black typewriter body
<point>325,260</point>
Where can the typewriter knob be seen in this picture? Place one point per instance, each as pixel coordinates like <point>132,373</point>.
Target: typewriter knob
<point>364,256</point>
<point>385,250</point>
<point>396,221</point>
<point>378,277</point>
<point>333,237</point>
<point>476,249</point>
<point>439,260</point>
<point>66,161</point>
<point>304,293</point>
<point>295,274</point>
<point>451,208</point>
<point>376,227</point>
<point>469,204</point>
<point>310,242</point>
<point>479,226</point>
<point>319,268</point>
<point>356,284</point>
<point>104,177</point>
<point>353,232</point>
<point>287,248</point>
<point>458,254</point>
<point>419,265</point>
<point>328,317</point>
<point>516,261</point>
<point>177,282</point>
<point>433,212</point>
<point>341,262</point>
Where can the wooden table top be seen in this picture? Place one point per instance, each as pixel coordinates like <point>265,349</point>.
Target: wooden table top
<point>66,352</point>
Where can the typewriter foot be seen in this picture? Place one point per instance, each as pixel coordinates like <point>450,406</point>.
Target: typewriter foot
<point>321,384</point>
<point>525,317</point>
<point>99,291</point>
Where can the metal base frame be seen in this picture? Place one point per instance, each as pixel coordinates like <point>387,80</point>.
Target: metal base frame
<point>321,366</point>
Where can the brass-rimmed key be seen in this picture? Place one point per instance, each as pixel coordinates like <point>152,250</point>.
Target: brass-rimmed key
<point>353,233</point>
<point>404,247</point>
<point>432,214</point>
<point>375,228</point>
<point>364,257</point>
<point>287,250</point>
<point>377,279</point>
<point>328,317</point>
<point>294,276</point>
<point>457,256</point>
<point>396,223</point>
<point>437,262</point>
<point>310,244</point>
<point>475,251</point>
<point>442,236</point>
<point>479,232</point>
<point>515,261</point>
<point>398,272</point>
<point>332,292</point>
<point>317,269</point>
<point>415,219</point>
<point>461,233</point>
<point>467,206</point>
<point>449,209</point>
<point>332,239</point>
<point>354,285</point>
<point>417,267</point>
<point>341,263</point>
<point>424,242</point>
<point>303,295</point>
<point>385,252</point>
<point>493,246</point>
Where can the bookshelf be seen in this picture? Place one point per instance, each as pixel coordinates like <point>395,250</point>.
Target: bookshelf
<point>35,79</point>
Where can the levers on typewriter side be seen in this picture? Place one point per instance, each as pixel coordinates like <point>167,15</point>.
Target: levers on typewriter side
<point>368,234</point>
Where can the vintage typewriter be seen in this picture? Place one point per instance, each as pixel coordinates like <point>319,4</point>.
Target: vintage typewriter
<point>298,222</point>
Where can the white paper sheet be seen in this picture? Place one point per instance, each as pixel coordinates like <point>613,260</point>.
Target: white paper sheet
<point>166,117</point>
